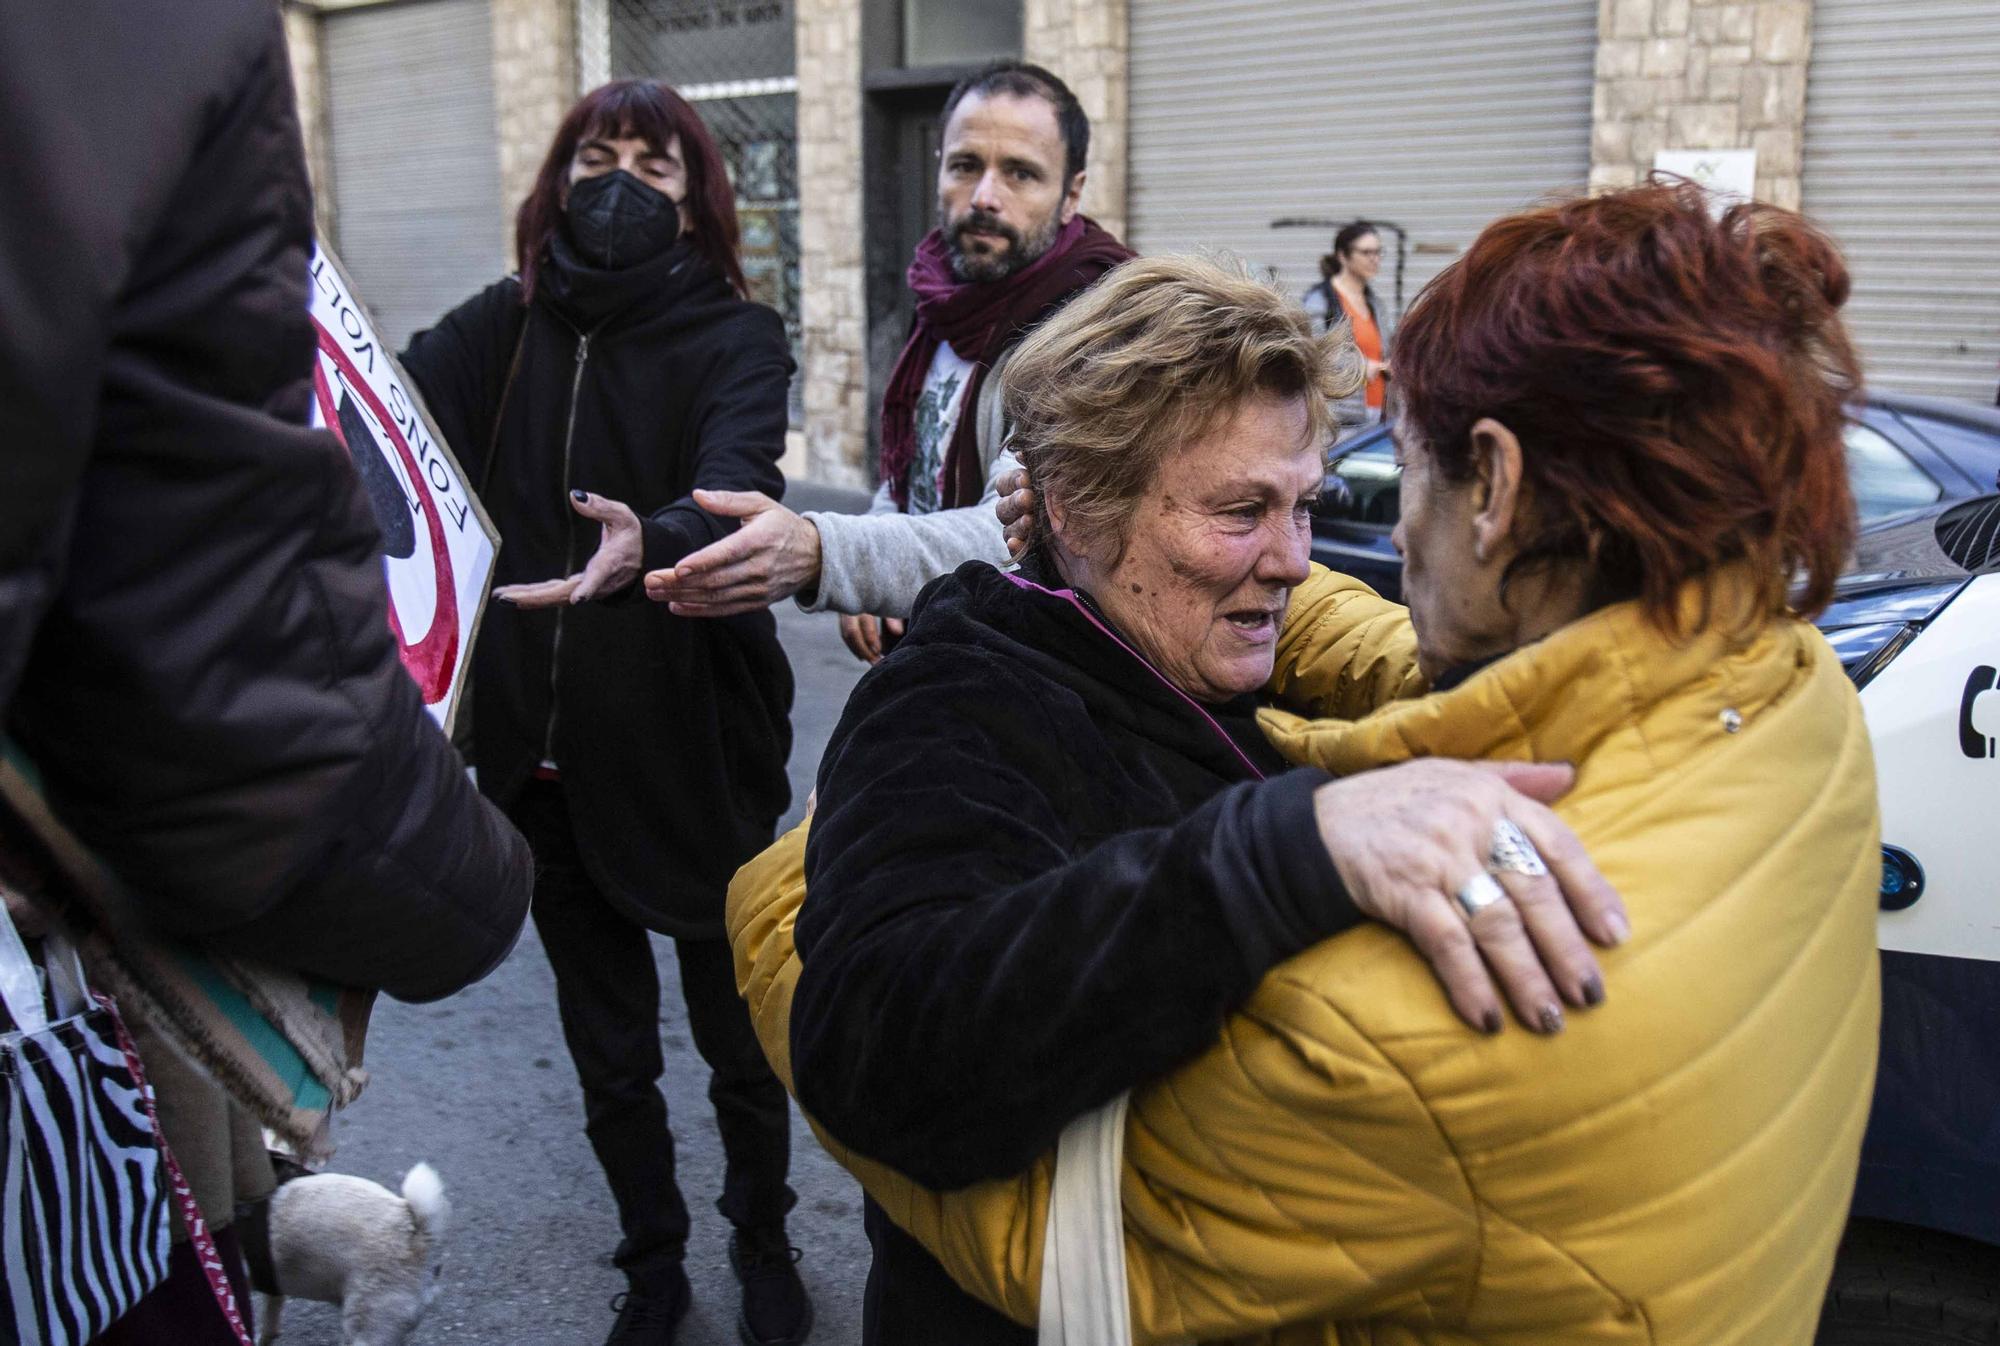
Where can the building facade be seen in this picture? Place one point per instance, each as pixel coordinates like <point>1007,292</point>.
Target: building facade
<point>1254,127</point>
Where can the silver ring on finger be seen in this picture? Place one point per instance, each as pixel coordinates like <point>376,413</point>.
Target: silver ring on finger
<point>1479,892</point>
<point>1513,853</point>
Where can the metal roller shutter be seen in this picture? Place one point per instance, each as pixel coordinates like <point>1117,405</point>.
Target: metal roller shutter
<point>416,167</point>
<point>1434,115</point>
<point>1902,164</point>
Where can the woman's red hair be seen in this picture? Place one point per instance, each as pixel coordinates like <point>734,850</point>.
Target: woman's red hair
<point>645,110</point>
<point>1677,384</point>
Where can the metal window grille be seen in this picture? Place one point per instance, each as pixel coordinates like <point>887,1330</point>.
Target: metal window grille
<point>733,59</point>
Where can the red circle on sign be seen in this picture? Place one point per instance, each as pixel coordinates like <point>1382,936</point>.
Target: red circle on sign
<point>430,659</point>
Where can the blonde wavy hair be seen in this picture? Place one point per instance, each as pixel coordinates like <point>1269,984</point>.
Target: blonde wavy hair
<point>1145,363</point>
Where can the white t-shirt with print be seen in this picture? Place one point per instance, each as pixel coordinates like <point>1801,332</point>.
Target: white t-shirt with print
<point>937,419</point>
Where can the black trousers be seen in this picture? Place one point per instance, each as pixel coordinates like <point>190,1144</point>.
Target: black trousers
<point>912,1301</point>
<point>608,995</point>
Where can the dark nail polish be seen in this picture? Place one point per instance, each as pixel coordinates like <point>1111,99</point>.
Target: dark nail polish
<point>1593,992</point>
<point>1491,1023</point>
<point>579,496</point>
<point>1552,1019</point>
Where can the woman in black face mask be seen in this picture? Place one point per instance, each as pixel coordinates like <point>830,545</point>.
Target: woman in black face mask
<point>642,754</point>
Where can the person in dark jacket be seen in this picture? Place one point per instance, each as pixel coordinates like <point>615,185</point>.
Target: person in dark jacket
<point>643,754</point>
<point>194,635</point>
<point>1052,849</point>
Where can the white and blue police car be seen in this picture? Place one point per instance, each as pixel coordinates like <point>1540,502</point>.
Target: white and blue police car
<point>1917,625</point>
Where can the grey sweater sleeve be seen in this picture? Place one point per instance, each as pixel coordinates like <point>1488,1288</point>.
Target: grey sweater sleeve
<point>877,562</point>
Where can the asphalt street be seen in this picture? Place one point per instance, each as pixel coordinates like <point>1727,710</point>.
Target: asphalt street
<point>481,1087</point>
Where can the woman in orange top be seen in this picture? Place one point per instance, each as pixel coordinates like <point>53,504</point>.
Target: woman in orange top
<point>1347,271</point>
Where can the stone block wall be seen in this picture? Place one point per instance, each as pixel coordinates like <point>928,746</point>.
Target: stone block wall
<point>1701,75</point>
<point>1086,42</point>
<point>534,83</point>
<point>832,278</point>
<point>302,42</point>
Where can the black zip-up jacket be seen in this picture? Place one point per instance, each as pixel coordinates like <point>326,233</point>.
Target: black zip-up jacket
<point>194,636</point>
<point>670,733</point>
<point>1038,876</point>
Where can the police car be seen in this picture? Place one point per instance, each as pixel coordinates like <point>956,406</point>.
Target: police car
<point>1917,625</point>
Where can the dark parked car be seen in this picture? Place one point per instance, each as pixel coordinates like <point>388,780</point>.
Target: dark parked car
<point>1905,453</point>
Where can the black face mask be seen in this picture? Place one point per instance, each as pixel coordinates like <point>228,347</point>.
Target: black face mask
<point>617,221</point>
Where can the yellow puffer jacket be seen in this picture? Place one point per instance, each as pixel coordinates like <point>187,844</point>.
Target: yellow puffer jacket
<point>1351,1161</point>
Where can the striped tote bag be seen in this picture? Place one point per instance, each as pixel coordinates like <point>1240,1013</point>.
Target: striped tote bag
<point>83,1203</point>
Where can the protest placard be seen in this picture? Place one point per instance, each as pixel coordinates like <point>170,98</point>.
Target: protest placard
<point>439,546</point>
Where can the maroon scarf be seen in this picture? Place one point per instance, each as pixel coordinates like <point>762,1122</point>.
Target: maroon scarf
<point>980,319</point>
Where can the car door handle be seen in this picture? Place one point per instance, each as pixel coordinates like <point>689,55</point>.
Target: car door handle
<point>1979,714</point>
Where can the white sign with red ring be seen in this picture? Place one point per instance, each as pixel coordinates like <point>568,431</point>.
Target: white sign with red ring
<point>438,545</point>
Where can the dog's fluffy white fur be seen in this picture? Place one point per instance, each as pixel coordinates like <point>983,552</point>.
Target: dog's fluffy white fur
<point>351,1242</point>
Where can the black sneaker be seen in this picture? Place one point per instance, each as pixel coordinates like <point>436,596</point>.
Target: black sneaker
<point>650,1320</point>
<point>776,1311</point>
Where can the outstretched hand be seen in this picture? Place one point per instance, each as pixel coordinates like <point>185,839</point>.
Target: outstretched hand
<point>1407,838</point>
<point>621,549</point>
<point>773,555</point>
<point>865,635</point>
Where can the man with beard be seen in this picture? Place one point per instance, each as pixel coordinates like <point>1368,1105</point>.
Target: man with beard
<point>1009,250</point>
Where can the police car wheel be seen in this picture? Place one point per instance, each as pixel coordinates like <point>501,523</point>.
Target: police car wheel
<point>1896,1285</point>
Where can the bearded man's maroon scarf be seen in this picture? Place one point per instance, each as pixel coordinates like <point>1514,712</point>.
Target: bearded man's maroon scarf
<point>980,319</point>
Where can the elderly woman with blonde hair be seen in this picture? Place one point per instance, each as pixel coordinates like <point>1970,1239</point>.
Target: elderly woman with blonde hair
<point>1623,439</point>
